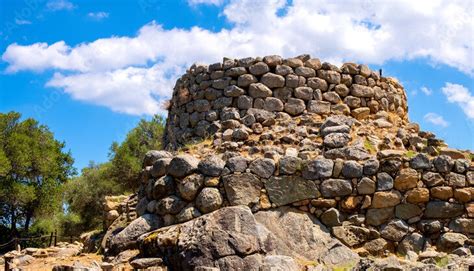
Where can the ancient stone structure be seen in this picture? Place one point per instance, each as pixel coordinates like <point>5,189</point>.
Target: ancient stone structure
<point>304,137</point>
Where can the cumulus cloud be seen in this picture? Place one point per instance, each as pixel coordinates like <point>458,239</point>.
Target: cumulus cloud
<point>335,31</point>
<point>98,16</point>
<point>436,120</point>
<point>56,5</point>
<point>461,96</point>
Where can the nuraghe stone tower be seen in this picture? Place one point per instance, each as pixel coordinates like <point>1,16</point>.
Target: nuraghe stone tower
<point>272,136</point>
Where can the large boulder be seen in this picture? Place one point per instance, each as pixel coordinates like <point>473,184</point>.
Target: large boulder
<point>127,238</point>
<point>232,238</point>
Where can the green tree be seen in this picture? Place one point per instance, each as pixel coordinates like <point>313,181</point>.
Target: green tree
<point>126,158</point>
<point>33,166</point>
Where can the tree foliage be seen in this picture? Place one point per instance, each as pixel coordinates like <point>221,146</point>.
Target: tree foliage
<point>33,167</point>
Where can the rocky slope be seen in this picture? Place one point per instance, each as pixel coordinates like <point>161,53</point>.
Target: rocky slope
<point>295,164</point>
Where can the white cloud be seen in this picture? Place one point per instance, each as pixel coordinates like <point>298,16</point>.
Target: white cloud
<point>55,5</point>
<point>335,31</point>
<point>460,95</point>
<point>21,22</point>
<point>426,91</point>
<point>205,2</point>
<point>436,120</point>
<point>98,16</point>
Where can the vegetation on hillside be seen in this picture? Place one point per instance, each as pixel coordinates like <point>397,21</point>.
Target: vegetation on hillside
<point>39,188</point>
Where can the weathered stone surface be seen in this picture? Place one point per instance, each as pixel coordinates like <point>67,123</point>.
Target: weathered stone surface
<point>259,90</point>
<point>273,104</point>
<point>208,200</point>
<point>211,165</point>
<point>332,77</point>
<point>152,156</point>
<point>336,140</point>
<point>246,79</point>
<point>143,263</point>
<point>290,164</point>
<point>334,129</point>
<point>351,235</point>
<point>417,195</point>
<point>305,72</point>
<point>420,161</point>
<point>377,247</point>
<point>371,167</point>
<point>317,83</point>
<point>262,167</point>
<point>376,217</point>
<point>450,241</point>
<point>331,217</point>
<point>287,189</point>
<point>242,189</point>
<point>294,106</point>
<point>259,68</point>
<point>352,169</point>
<point>386,199</point>
<point>160,167</point>
<point>394,230</point>
<point>412,242</point>
<point>443,163</point>
<point>462,225</point>
<point>456,180</point>
<point>310,239</point>
<point>272,80</point>
<point>442,209</point>
<point>384,181</point>
<point>442,192</point>
<point>127,238</point>
<point>318,168</point>
<point>169,205</point>
<point>406,179</point>
<point>183,165</point>
<point>336,188</point>
<point>366,186</point>
<point>319,107</point>
<point>237,164</point>
<point>464,194</point>
<point>432,179</point>
<point>407,211</point>
<point>362,91</point>
<point>304,93</point>
<point>162,187</point>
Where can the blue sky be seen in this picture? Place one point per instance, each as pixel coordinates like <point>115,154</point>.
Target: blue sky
<point>91,70</point>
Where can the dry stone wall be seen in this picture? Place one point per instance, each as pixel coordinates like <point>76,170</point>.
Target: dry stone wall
<point>237,97</point>
<point>288,132</point>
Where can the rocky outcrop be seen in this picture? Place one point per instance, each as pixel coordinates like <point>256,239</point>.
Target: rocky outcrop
<point>274,135</point>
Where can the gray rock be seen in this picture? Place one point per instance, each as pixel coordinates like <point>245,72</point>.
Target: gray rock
<point>212,165</point>
<point>272,80</point>
<point>187,214</point>
<point>237,164</point>
<point>273,60</point>
<point>169,205</point>
<point>235,71</point>
<point>159,167</point>
<point>456,180</point>
<point>143,263</point>
<point>288,189</point>
<point>202,105</point>
<point>240,134</point>
<point>331,217</point>
<point>470,178</point>
<point>248,120</point>
<point>336,140</point>
<point>319,107</point>
<point>189,186</point>
<point>351,235</point>
<point>352,169</point>
<point>430,226</point>
<point>162,187</point>
<point>335,129</point>
<point>244,102</point>
<point>317,83</point>
<point>259,90</point>
<point>279,262</point>
<point>283,70</point>
<point>450,241</point>
<point>259,68</point>
<point>310,240</point>
<point>366,186</point>
<point>273,104</point>
<point>318,168</point>
<point>242,189</point>
<point>332,77</point>
<point>294,106</point>
<point>371,167</point>
<point>331,96</point>
<point>443,163</point>
<point>407,210</point>
<point>394,230</point>
<point>442,209</point>
<point>304,93</point>
<point>377,247</point>
<point>412,242</point>
<point>384,181</point>
<point>420,161</point>
<point>290,164</point>
<point>462,225</point>
<point>352,102</point>
<point>262,167</point>
<point>233,91</point>
<point>127,238</point>
<point>305,71</point>
<point>336,188</point>
<point>183,165</point>
<point>208,200</point>
<point>152,156</point>
<point>376,217</point>
<point>362,91</point>
<point>432,179</point>
<point>461,165</point>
